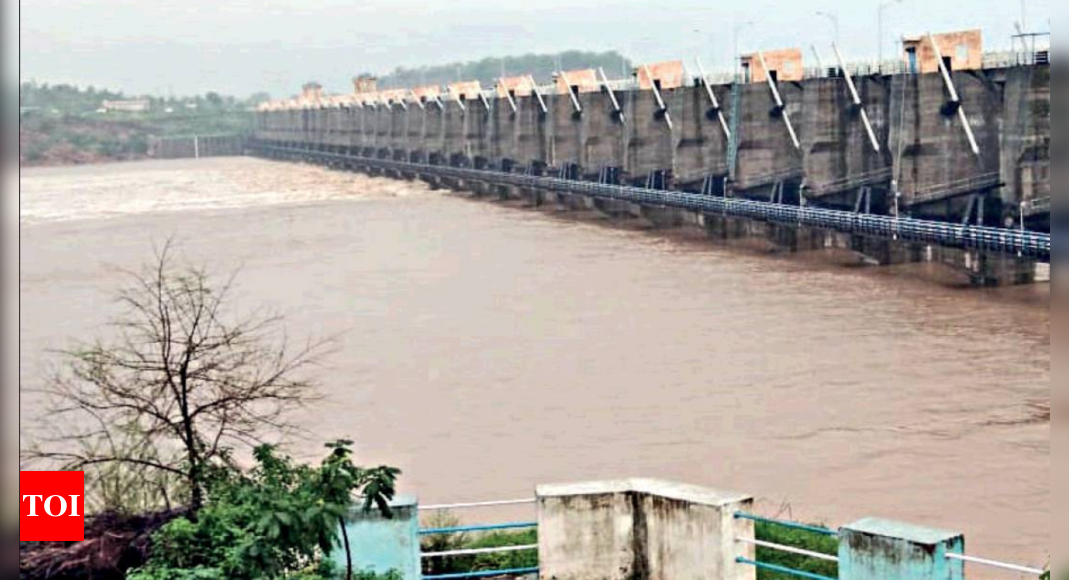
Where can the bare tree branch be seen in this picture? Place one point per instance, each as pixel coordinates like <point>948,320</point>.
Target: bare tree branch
<point>181,384</point>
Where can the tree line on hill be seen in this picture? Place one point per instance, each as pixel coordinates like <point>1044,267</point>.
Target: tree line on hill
<point>67,99</point>
<point>64,124</point>
<point>488,70</point>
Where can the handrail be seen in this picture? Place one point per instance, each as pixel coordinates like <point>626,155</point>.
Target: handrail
<point>782,569</point>
<point>996,564</point>
<point>943,191</point>
<point>480,528</point>
<point>787,524</point>
<point>478,504</point>
<point>850,182</point>
<point>484,574</point>
<point>788,549</point>
<point>1035,206</point>
<point>479,551</point>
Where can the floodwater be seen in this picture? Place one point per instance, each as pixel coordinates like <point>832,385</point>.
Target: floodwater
<point>486,349</point>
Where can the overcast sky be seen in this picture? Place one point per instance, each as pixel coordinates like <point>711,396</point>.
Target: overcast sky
<point>243,46</point>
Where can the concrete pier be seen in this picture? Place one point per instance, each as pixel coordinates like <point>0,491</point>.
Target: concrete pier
<point>877,549</point>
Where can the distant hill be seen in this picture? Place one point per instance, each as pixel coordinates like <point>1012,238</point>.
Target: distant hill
<point>488,70</point>
<point>63,124</point>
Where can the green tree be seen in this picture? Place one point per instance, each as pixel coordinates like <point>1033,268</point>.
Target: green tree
<point>277,521</point>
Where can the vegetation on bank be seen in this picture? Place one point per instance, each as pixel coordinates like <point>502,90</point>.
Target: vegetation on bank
<point>488,70</point>
<point>277,520</point>
<point>64,124</point>
<point>798,539</point>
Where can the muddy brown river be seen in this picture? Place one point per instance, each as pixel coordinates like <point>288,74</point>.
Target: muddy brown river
<point>486,349</point>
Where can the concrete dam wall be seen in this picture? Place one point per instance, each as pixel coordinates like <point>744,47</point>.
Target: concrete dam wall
<point>788,142</point>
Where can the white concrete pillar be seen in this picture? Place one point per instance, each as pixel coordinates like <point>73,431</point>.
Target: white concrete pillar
<point>641,529</point>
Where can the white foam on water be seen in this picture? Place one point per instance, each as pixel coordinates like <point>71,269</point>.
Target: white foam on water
<point>109,191</point>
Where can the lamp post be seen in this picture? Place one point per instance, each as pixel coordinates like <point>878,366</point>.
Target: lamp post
<point>834,18</point>
<point>702,47</point>
<point>879,28</point>
<point>739,27</point>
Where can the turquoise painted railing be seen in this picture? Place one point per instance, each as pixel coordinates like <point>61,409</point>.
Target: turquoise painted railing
<point>478,528</point>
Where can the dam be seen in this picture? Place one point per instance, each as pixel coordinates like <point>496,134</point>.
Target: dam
<point>943,155</point>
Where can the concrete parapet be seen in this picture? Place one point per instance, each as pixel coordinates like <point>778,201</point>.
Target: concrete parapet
<point>641,529</point>
<point>876,549</point>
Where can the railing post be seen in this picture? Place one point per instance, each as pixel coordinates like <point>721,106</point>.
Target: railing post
<point>876,549</point>
<point>379,544</point>
<point>642,529</point>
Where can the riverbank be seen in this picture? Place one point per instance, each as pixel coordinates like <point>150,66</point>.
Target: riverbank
<point>54,140</point>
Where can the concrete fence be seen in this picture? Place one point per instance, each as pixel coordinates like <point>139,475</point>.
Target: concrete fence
<point>644,529</point>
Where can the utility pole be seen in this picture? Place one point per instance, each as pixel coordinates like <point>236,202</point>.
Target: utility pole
<point>879,28</point>
<point>834,18</point>
<point>739,27</point>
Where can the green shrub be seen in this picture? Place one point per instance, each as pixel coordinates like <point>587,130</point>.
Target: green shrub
<point>798,539</point>
<point>277,521</point>
<point>463,541</point>
<point>505,560</point>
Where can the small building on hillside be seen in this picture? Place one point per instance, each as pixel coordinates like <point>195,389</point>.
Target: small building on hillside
<point>962,50</point>
<point>126,106</point>
<point>783,66</point>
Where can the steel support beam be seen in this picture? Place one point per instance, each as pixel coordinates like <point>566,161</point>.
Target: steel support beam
<point>954,97</point>
<point>779,102</point>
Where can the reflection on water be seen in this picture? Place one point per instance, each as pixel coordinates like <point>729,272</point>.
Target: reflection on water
<point>488,349</point>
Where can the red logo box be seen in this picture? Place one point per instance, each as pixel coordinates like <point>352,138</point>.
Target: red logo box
<point>52,506</point>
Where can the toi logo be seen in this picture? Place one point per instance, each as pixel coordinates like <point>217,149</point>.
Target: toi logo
<point>53,506</point>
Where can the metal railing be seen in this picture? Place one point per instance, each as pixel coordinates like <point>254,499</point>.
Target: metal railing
<point>770,177</point>
<point>1010,58</point>
<point>822,531</point>
<point>787,524</point>
<point>941,191</point>
<point>1021,243</point>
<point>996,564</point>
<point>479,528</point>
<point>850,182</point>
<point>794,550</point>
<point>1036,206</point>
